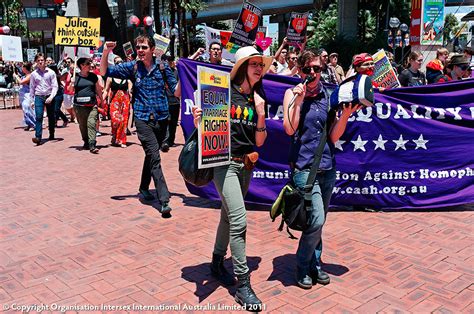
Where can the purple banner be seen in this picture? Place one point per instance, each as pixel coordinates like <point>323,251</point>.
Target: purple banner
<point>412,149</point>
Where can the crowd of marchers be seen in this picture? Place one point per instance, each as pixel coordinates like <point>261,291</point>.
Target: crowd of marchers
<point>144,93</point>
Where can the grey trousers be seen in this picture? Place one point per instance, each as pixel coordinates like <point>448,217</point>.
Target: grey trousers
<point>232,182</point>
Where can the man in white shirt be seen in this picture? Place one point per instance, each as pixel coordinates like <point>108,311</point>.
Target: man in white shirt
<point>43,88</point>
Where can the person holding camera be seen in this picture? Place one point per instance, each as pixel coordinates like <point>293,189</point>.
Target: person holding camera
<point>305,120</point>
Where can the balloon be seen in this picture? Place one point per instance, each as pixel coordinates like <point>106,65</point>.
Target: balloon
<point>148,20</point>
<point>134,20</point>
<point>4,30</point>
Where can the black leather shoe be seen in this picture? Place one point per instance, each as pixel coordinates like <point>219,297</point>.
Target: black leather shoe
<point>245,296</point>
<point>320,276</point>
<point>51,138</point>
<point>165,148</point>
<point>36,140</point>
<point>146,194</point>
<point>165,209</point>
<point>303,280</point>
<point>220,272</point>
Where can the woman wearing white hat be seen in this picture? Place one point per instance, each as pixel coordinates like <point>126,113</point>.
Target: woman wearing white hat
<point>247,131</point>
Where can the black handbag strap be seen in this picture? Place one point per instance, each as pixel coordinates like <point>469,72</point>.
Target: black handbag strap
<point>318,154</point>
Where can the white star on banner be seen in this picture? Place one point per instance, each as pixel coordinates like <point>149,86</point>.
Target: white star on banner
<point>400,143</point>
<point>380,143</point>
<point>420,142</point>
<point>359,144</point>
<point>338,144</point>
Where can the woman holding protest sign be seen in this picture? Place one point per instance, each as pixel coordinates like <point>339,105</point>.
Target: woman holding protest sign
<point>306,116</point>
<point>247,131</point>
<point>87,94</point>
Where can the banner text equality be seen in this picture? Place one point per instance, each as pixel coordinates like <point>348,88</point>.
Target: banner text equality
<point>409,150</point>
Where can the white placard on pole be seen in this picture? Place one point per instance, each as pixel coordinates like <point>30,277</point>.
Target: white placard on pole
<point>31,54</point>
<point>11,48</point>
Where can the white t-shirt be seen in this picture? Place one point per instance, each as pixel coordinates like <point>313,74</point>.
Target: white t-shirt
<point>281,67</point>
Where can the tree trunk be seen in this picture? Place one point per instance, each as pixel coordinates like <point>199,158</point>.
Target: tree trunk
<point>122,22</point>
<point>156,16</point>
<point>172,22</point>
<point>183,35</point>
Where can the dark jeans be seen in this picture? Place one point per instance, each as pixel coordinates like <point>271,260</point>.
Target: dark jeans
<point>39,111</point>
<point>173,124</point>
<point>58,101</point>
<point>152,134</point>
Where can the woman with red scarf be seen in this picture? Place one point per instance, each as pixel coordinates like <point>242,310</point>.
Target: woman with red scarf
<point>364,64</point>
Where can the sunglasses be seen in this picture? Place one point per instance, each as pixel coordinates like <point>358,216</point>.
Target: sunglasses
<point>257,64</point>
<point>463,67</point>
<point>307,70</point>
<point>142,47</point>
<point>293,58</point>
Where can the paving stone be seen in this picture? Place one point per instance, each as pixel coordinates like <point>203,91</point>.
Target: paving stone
<point>83,236</point>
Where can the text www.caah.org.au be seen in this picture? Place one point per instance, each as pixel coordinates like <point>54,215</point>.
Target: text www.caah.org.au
<point>373,190</point>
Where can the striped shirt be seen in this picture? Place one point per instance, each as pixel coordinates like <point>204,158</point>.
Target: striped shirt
<point>148,87</point>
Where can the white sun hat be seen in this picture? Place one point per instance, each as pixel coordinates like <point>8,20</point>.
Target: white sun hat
<point>245,53</point>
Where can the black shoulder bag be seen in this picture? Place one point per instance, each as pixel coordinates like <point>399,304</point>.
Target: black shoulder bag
<point>293,203</point>
<point>188,163</point>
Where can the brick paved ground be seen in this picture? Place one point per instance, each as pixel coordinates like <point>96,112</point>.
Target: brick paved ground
<point>73,231</point>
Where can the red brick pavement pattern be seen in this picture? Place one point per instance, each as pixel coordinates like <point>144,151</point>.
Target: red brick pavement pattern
<point>73,231</point>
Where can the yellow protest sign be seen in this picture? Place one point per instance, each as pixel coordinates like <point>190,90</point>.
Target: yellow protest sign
<point>213,78</point>
<point>77,31</point>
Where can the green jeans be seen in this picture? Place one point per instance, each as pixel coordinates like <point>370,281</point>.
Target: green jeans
<point>229,180</point>
<point>87,119</point>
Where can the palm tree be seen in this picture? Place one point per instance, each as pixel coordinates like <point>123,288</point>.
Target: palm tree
<point>173,8</point>
<point>156,16</point>
<point>122,21</point>
<point>183,34</point>
<point>193,6</point>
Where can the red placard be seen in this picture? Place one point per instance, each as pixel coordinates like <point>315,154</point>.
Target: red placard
<point>415,24</point>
